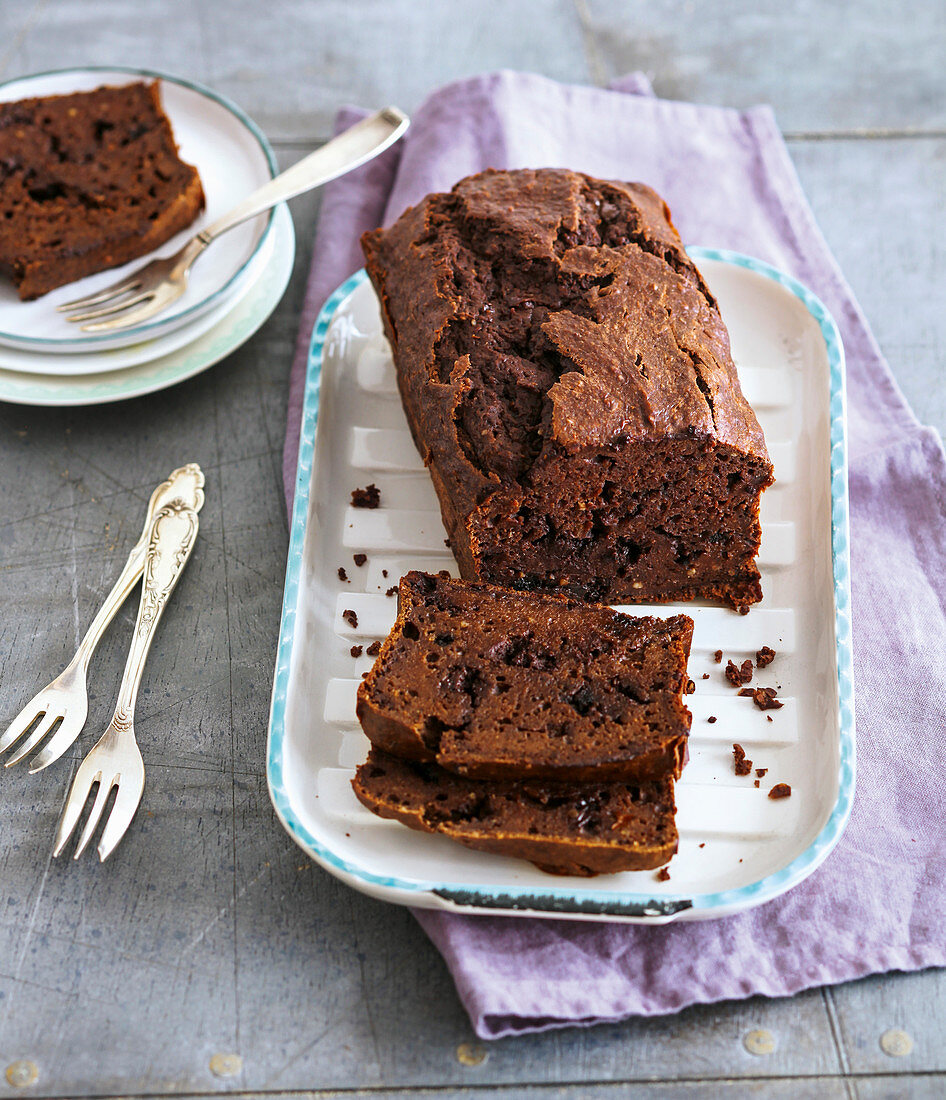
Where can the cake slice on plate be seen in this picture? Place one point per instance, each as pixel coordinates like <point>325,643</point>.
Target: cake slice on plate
<point>88,181</point>
<point>563,828</point>
<point>493,683</point>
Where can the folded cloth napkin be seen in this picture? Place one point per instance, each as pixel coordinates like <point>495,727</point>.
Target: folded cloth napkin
<point>877,902</point>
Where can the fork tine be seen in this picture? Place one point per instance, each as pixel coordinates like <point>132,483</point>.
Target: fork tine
<point>126,805</point>
<point>111,307</point>
<point>21,723</point>
<point>164,296</point>
<point>121,287</point>
<point>49,720</point>
<point>60,741</point>
<point>95,813</point>
<point>86,775</point>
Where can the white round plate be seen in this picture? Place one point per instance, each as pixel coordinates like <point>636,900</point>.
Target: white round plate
<point>235,328</point>
<point>233,159</point>
<point>112,359</point>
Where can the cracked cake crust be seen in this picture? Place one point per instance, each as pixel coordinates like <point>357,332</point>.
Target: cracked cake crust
<point>568,381</point>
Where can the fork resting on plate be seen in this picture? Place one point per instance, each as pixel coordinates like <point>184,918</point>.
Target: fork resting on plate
<point>156,285</point>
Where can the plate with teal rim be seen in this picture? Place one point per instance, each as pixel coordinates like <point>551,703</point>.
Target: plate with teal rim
<point>234,328</point>
<point>233,158</point>
<point>738,847</point>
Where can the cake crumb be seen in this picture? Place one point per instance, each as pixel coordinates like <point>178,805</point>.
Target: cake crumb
<point>741,764</point>
<point>760,772</point>
<point>755,782</point>
<point>392,590</point>
<point>342,575</point>
<point>780,790</point>
<point>446,543</point>
<point>768,718</point>
<point>384,573</point>
<point>359,559</point>
<point>356,650</point>
<point>374,649</point>
<point>739,674</point>
<point>350,617</point>
<point>369,497</point>
<point>764,657</point>
<point>711,719</point>
<point>764,698</point>
<point>705,676</point>
<point>718,656</point>
<point>703,845</point>
<point>663,875</point>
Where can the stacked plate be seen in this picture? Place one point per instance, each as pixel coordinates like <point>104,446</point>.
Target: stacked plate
<point>46,360</point>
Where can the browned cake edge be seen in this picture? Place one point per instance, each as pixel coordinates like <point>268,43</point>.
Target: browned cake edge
<point>559,855</point>
<point>393,736</point>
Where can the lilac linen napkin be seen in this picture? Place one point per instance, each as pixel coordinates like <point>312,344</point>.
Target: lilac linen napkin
<point>877,902</point>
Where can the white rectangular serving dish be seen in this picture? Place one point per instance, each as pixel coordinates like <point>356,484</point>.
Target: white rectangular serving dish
<point>738,847</point>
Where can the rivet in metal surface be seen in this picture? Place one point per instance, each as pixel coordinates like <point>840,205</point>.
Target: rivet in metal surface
<point>471,1054</point>
<point>896,1042</point>
<point>22,1073</point>
<point>226,1065</point>
<point>759,1041</point>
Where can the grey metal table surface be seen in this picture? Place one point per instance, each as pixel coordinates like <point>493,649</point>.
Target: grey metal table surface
<point>209,955</point>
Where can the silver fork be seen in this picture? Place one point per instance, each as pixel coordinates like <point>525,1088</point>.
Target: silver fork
<point>66,699</point>
<point>157,284</point>
<point>115,759</point>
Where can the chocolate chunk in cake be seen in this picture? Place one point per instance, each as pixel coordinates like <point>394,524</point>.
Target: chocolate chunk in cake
<point>88,181</point>
<point>568,381</point>
<point>494,683</point>
<point>563,828</point>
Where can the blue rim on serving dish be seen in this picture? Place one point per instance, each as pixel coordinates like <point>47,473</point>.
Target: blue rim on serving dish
<point>563,900</point>
<point>238,113</point>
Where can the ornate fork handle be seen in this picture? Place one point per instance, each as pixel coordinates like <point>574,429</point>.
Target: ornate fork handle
<point>170,544</point>
<point>185,484</point>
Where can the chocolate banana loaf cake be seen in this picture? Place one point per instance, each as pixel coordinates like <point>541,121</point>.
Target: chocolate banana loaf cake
<point>564,828</point>
<point>568,380</point>
<point>88,181</point>
<point>498,684</point>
